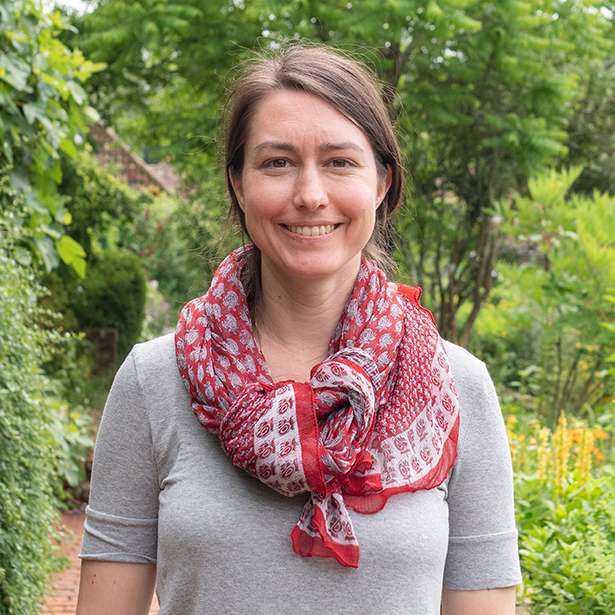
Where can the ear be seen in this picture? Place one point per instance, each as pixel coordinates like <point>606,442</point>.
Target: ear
<point>237,187</point>
<point>384,183</point>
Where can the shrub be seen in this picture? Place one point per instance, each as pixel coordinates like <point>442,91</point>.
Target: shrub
<point>566,550</point>
<point>43,117</point>
<point>547,327</point>
<point>565,513</point>
<point>113,295</point>
<point>180,242</point>
<point>27,460</point>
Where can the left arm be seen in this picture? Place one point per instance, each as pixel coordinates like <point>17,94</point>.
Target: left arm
<point>482,565</point>
<point>498,601</point>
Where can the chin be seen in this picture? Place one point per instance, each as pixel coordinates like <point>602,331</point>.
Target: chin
<point>317,271</point>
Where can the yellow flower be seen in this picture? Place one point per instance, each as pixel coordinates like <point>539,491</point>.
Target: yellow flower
<point>584,458</point>
<point>562,441</point>
<point>543,453</point>
<point>534,425</point>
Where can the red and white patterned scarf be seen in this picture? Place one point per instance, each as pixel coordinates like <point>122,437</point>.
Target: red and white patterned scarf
<point>379,416</point>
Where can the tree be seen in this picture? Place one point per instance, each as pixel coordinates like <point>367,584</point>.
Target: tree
<point>43,115</point>
<point>558,307</point>
<point>482,93</point>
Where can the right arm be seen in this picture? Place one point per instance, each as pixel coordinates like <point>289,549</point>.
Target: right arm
<point>118,567</point>
<point>115,588</point>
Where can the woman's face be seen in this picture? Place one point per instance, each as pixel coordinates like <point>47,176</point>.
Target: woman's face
<point>309,187</point>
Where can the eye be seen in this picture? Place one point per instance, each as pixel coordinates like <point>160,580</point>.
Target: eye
<point>345,163</point>
<point>272,164</point>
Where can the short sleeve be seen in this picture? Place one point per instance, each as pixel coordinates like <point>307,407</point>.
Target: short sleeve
<point>121,521</point>
<point>482,550</point>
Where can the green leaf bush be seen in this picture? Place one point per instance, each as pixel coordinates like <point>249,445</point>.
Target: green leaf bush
<point>113,296</point>
<point>43,116</point>
<point>567,549</point>
<point>546,326</point>
<point>564,485</point>
<point>28,477</point>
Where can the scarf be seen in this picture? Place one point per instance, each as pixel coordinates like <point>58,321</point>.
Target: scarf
<point>379,416</point>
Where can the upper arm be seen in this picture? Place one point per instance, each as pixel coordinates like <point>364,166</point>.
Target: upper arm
<point>482,551</point>
<point>121,523</point>
<point>498,601</point>
<point>115,588</point>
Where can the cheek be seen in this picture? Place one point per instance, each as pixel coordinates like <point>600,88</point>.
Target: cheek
<point>259,215</point>
<point>358,190</point>
<point>358,203</point>
<point>266,197</point>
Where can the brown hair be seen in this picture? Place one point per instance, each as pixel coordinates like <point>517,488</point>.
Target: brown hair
<point>350,88</point>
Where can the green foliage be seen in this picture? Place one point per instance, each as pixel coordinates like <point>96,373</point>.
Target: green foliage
<point>27,445</point>
<point>179,242</point>
<point>71,428</point>
<point>166,63</point>
<point>483,94</point>
<point>566,547</point>
<point>551,314</point>
<point>591,133</point>
<point>102,205</point>
<point>69,364</point>
<point>159,317</point>
<point>103,212</point>
<point>43,115</point>
<point>113,296</point>
<point>565,514</point>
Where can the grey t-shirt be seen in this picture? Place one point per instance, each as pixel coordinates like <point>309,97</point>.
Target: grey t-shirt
<point>164,492</point>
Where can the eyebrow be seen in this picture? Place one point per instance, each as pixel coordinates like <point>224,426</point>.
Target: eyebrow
<point>325,147</point>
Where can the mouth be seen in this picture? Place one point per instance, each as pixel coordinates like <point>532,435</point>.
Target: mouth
<point>311,231</point>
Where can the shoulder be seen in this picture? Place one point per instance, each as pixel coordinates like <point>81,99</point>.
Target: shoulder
<point>468,370</point>
<point>480,414</point>
<point>478,403</point>
<point>155,361</point>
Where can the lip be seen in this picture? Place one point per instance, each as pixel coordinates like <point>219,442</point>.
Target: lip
<point>310,223</point>
<point>312,237</point>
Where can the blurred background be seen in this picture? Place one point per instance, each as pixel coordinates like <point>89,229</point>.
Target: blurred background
<point>112,215</point>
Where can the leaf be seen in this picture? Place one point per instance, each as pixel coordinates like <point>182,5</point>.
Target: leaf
<point>47,251</point>
<point>69,249</point>
<point>31,112</point>
<point>433,11</point>
<point>77,91</point>
<point>15,72</point>
<point>80,267</point>
<point>91,114</point>
<point>50,231</point>
<point>73,254</point>
<point>68,147</point>
<point>23,256</point>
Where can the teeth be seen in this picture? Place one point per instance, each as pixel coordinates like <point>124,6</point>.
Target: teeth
<point>311,231</point>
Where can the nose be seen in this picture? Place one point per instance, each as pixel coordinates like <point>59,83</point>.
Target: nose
<point>310,189</point>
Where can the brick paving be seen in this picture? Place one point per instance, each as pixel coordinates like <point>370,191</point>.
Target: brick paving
<point>64,585</point>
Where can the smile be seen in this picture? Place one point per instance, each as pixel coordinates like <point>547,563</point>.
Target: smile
<point>311,231</point>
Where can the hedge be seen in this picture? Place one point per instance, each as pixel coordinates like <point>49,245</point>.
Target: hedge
<point>28,503</point>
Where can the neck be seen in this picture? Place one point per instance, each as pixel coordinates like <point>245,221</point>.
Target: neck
<point>301,315</point>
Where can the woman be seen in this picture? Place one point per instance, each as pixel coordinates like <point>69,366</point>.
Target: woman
<point>322,397</point>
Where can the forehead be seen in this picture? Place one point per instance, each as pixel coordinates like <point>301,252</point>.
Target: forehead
<point>287,114</point>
